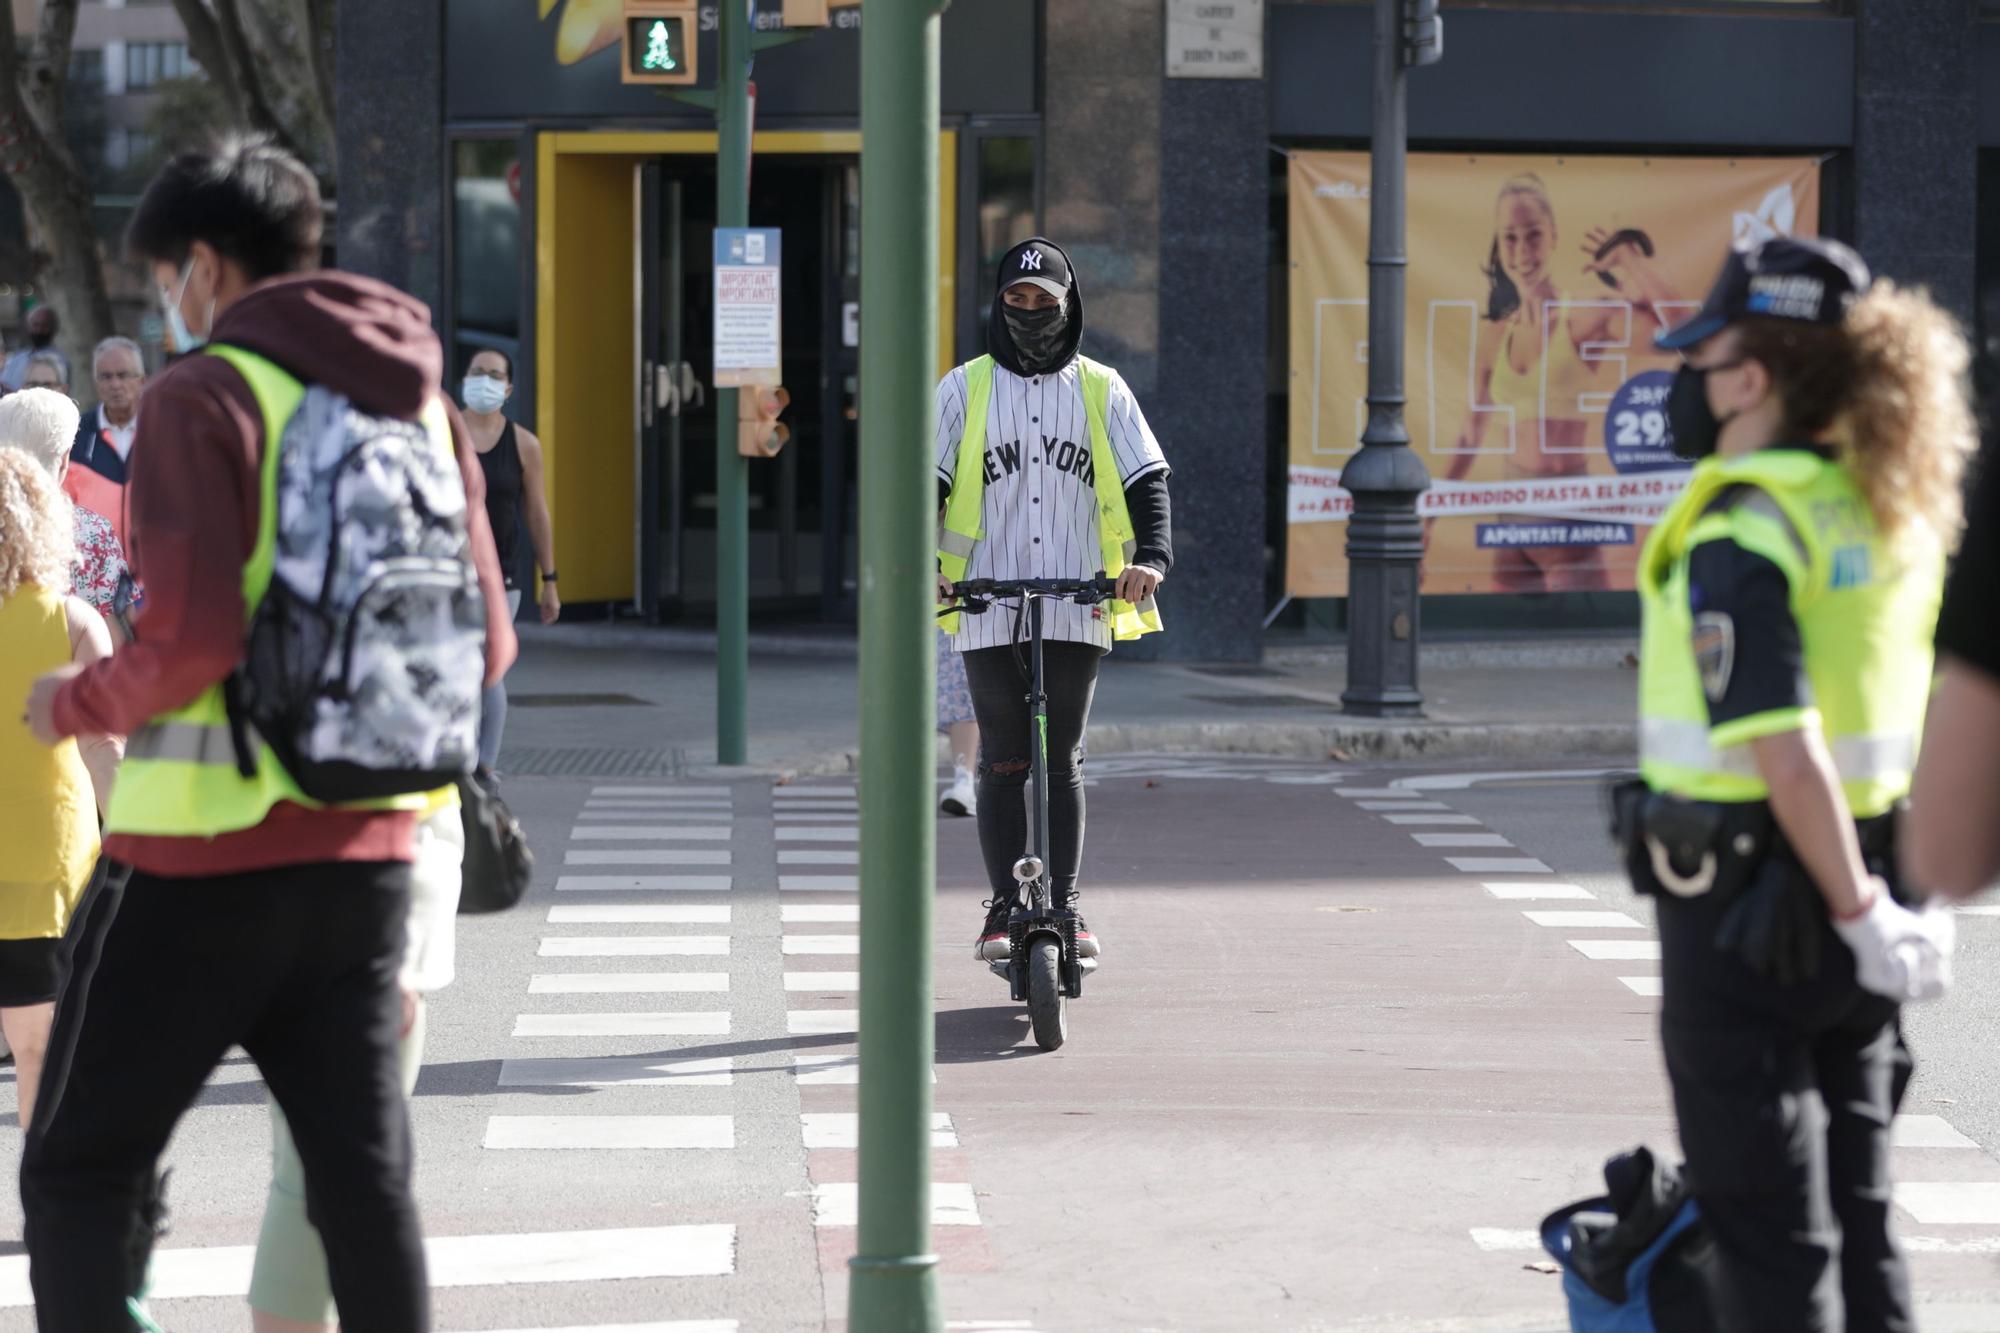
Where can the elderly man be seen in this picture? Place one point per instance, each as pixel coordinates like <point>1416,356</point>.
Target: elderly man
<point>104,438</point>
<point>42,327</point>
<point>40,423</point>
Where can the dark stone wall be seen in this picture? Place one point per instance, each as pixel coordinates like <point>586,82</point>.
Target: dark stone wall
<point>1209,408</point>
<point>1158,188</point>
<point>1101,160</point>
<point>1916,141</point>
<point>389,110</point>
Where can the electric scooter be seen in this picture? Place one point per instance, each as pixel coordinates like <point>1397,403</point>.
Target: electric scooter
<point>1042,966</point>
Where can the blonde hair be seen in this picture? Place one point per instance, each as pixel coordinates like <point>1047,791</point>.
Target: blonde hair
<point>1502,299</point>
<point>1887,387</point>
<point>37,528</point>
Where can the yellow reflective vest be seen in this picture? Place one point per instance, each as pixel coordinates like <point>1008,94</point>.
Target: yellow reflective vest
<point>180,776</point>
<point>1865,617</point>
<point>960,531</point>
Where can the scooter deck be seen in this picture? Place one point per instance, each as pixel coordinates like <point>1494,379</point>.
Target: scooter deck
<point>1000,966</point>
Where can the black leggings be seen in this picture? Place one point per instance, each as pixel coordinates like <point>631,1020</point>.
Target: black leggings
<point>298,966</point>
<point>999,685</point>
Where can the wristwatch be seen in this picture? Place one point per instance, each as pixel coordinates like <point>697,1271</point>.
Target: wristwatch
<point>549,577</point>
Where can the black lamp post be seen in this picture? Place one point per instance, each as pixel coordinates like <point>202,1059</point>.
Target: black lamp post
<point>1385,543</point>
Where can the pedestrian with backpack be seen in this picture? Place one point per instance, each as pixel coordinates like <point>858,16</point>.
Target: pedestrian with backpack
<point>323,611</point>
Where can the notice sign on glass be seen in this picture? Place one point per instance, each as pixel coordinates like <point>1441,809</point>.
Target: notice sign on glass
<point>746,307</point>
<point>1215,39</point>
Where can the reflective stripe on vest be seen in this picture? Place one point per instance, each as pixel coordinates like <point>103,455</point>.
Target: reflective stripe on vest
<point>960,530</point>
<point>179,777</point>
<point>1865,616</point>
<point>183,742</point>
<point>1855,758</point>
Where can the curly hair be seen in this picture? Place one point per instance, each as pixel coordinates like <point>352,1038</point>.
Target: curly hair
<point>37,528</point>
<point>1888,388</point>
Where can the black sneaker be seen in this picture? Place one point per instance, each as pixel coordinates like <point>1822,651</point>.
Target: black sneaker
<point>993,944</point>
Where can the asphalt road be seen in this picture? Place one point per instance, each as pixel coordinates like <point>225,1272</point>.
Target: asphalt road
<point>1327,1078</point>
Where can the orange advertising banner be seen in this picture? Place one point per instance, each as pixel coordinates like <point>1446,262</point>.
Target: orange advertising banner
<point>1535,286</point>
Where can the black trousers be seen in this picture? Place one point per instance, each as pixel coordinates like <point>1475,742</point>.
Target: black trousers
<point>299,967</point>
<point>999,683</point>
<point>1785,1095</point>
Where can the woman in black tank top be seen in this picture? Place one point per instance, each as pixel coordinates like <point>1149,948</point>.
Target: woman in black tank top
<point>502,466</point>
<point>512,464</point>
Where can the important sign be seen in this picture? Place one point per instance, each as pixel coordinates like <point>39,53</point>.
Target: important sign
<point>747,306</point>
<point>1215,39</point>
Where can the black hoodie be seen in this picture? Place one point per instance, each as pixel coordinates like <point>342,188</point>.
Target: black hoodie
<point>1146,498</point>
<point>1000,340</point>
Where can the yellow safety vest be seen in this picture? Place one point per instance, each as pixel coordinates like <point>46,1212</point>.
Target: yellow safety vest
<point>1865,617</point>
<point>180,777</point>
<point>961,531</point>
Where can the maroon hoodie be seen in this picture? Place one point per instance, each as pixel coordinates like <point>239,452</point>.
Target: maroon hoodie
<point>194,506</point>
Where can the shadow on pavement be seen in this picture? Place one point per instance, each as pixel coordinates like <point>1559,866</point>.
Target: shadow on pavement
<point>473,1078</point>
<point>990,1032</point>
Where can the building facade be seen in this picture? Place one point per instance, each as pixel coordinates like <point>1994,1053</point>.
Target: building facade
<point>493,164</point>
<point>124,50</point>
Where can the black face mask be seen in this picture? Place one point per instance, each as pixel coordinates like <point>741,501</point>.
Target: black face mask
<point>1038,335</point>
<point>1694,426</point>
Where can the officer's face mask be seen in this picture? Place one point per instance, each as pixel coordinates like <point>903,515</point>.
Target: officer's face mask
<point>1039,335</point>
<point>1694,425</point>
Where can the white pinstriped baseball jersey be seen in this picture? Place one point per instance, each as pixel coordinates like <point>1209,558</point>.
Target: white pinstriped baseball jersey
<point>1040,512</point>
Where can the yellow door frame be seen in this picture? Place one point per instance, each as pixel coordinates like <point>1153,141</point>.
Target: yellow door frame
<point>592,542</point>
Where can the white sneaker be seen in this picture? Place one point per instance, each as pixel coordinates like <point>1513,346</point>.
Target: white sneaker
<point>960,798</point>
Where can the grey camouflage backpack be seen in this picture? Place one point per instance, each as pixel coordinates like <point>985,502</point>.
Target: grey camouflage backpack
<point>368,652</point>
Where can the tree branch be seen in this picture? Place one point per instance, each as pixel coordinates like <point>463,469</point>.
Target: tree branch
<point>56,34</point>
<point>319,37</point>
<point>204,36</point>
<point>257,105</point>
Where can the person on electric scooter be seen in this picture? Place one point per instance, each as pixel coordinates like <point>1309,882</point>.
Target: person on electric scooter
<point>1065,480</point>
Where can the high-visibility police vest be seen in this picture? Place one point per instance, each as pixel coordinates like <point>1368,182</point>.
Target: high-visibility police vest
<point>180,776</point>
<point>1865,616</point>
<point>961,530</point>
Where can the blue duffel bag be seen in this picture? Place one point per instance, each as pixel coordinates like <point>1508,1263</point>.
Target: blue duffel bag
<point>1637,1260</point>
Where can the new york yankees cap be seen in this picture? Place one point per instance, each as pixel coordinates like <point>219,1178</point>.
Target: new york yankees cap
<point>1038,262</point>
<point>1801,278</point>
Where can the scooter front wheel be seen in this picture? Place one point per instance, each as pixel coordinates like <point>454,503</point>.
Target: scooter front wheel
<point>1048,1007</point>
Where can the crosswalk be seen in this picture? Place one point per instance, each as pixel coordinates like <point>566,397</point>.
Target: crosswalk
<point>688,931</point>
<point>1948,1187</point>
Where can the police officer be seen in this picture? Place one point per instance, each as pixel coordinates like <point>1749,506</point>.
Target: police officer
<point>1788,599</point>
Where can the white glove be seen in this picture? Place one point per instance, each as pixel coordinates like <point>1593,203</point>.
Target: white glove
<point>1898,953</point>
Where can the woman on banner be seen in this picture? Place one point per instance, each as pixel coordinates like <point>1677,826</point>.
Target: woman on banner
<point>1529,363</point>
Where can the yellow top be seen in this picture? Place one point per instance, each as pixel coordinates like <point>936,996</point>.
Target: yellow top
<point>48,813</point>
<point>1563,372</point>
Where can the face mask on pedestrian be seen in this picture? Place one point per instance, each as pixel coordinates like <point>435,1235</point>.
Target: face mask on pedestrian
<point>185,338</point>
<point>482,393</point>
<point>1038,335</point>
<point>1695,427</point>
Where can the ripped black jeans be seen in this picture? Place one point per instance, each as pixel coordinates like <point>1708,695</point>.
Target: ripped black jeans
<point>999,684</point>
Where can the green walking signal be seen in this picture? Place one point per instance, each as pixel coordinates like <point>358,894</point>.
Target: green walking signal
<point>658,42</point>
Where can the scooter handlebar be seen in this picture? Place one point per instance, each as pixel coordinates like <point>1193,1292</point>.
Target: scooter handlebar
<point>1082,590</point>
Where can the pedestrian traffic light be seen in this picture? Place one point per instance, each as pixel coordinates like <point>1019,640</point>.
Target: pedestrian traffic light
<point>1423,33</point>
<point>658,41</point>
<point>759,433</point>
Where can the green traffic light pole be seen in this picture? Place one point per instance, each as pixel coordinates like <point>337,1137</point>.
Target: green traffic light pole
<point>893,1278</point>
<point>732,469</point>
